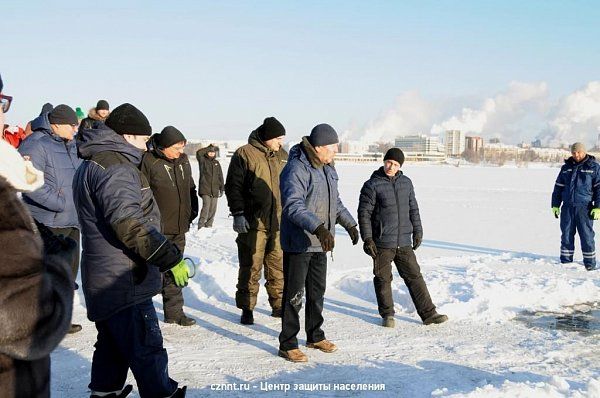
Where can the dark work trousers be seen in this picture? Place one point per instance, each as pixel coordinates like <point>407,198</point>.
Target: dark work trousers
<point>171,293</point>
<point>131,339</point>
<point>209,209</point>
<point>409,271</point>
<point>258,250</point>
<point>73,233</point>
<point>577,218</point>
<point>302,271</point>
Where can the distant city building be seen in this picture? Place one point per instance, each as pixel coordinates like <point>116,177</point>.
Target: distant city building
<point>494,140</point>
<point>418,143</point>
<point>474,144</point>
<point>524,145</point>
<point>354,147</point>
<point>454,143</point>
<point>536,143</point>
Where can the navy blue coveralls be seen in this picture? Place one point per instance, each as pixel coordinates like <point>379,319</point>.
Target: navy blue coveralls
<point>577,187</point>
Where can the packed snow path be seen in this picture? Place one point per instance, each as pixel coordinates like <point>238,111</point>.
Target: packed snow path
<point>490,252</point>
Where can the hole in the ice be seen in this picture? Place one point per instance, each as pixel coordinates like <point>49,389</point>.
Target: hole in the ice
<point>582,318</point>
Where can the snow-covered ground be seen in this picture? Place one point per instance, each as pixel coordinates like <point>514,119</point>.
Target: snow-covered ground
<point>490,252</point>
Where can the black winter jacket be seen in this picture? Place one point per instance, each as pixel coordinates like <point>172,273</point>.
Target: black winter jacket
<point>388,211</point>
<point>211,180</point>
<point>123,251</point>
<point>173,188</point>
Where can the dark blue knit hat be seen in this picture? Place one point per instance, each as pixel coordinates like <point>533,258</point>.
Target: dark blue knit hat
<point>323,134</point>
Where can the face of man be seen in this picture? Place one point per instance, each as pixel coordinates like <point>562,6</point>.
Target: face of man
<point>274,144</point>
<point>211,154</point>
<point>391,167</point>
<point>326,153</point>
<point>175,150</point>
<point>64,131</point>
<point>103,113</point>
<point>578,156</point>
<point>138,141</point>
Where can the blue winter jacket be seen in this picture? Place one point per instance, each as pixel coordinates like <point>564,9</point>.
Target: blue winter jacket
<point>388,211</point>
<point>578,184</point>
<point>123,251</point>
<point>309,196</point>
<point>52,204</point>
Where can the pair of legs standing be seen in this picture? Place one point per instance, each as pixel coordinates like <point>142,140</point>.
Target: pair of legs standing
<point>172,294</point>
<point>208,211</point>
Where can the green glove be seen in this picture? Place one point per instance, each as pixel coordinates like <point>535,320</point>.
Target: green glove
<point>180,273</point>
<point>595,214</point>
<point>556,211</point>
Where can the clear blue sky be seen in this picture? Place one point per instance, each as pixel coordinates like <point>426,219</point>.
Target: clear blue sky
<point>216,69</point>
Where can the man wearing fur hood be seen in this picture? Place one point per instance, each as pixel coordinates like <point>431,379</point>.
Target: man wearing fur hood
<point>97,114</point>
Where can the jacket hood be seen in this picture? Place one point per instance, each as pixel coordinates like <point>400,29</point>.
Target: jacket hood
<point>93,114</point>
<point>306,152</point>
<point>257,143</point>
<point>41,123</point>
<point>380,173</point>
<point>101,139</point>
<point>588,158</point>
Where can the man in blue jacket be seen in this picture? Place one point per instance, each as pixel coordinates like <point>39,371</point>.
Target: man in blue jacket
<point>311,209</point>
<point>51,149</point>
<point>390,225</point>
<point>577,188</point>
<point>124,254</point>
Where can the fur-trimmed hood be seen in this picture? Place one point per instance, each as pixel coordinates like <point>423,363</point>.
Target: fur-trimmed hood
<point>93,114</point>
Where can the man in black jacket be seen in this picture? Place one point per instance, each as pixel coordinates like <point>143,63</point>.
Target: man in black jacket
<point>123,257</point>
<point>390,226</point>
<point>170,176</point>
<point>210,184</point>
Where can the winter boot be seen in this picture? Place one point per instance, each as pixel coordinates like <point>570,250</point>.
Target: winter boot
<point>122,394</point>
<point>74,328</point>
<point>247,317</point>
<point>323,345</point>
<point>388,322</point>
<point>180,393</point>
<point>435,318</point>
<point>591,267</point>
<point>182,321</point>
<point>294,355</point>
<point>276,313</point>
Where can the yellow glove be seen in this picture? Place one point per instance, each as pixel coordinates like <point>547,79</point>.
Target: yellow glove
<point>556,211</point>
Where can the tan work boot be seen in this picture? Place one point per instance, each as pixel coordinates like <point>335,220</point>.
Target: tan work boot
<point>323,345</point>
<point>294,355</point>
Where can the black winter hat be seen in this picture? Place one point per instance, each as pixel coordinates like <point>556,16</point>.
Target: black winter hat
<point>47,108</point>
<point>394,154</point>
<point>102,105</point>
<point>271,128</point>
<point>127,119</point>
<point>63,114</point>
<point>169,136</point>
<point>323,134</point>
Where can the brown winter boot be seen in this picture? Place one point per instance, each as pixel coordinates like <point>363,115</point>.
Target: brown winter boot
<point>388,322</point>
<point>435,318</point>
<point>294,355</point>
<point>323,345</point>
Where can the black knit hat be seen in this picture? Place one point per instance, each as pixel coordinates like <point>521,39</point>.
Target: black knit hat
<point>169,136</point>
<point>102,105</point>
<point>271,128</point>
<point>394,154</point>
<point>63,114</point>
<point>127,119</point>
<point>323,134</point>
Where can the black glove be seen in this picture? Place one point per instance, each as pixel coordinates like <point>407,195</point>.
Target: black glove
<point>353,232</point>
<point>370,248</point>
<point>417,239</point>
<point>325,238</point>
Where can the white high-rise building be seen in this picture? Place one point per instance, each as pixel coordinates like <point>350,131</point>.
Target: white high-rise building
<point>455,142</point>
<point>417,143</point>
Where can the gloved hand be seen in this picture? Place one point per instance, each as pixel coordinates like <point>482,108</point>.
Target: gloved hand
<point>556,211</point>
<point>370,248</point>
<point>595,214</point>
<point>180,273</point>
<point>353,232</point>
<point>325,238</point>
<point>417,239</point>
<point>240,224</point>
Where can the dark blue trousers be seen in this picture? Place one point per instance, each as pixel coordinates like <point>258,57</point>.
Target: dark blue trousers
<point>131,339</point>
<point>577,219</point>
<point>302,271</point>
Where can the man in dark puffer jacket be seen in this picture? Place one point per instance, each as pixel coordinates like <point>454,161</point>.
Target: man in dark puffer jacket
<point>390,226</point>
<point>123,256</point>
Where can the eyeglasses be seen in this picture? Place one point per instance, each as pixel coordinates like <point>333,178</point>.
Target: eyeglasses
<point>5,101</point>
